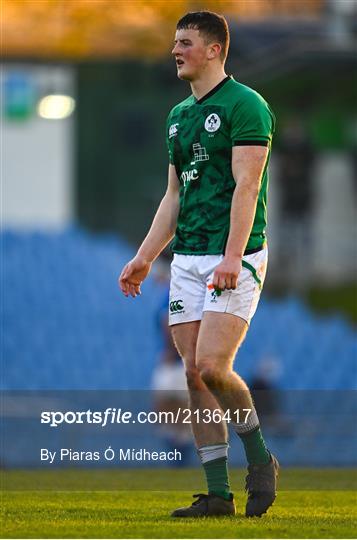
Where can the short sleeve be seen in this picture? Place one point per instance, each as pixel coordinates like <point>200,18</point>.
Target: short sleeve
<point>252,122</point>
<point>169,140</point>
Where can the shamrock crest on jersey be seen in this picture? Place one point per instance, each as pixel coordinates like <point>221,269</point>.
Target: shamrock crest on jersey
<point>212,122</point>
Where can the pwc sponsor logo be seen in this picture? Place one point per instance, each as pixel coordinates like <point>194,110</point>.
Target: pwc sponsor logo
<point>188,176</point>
<point>176,306</point>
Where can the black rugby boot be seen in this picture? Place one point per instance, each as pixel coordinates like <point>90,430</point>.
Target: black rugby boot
<point>261,483</point>
<point>207,505</point>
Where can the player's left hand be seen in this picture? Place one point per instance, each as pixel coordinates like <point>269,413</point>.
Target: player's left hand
<point>132,276</point>
<point>226,274</point>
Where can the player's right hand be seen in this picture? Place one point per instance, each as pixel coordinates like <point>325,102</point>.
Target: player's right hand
<point>132,276</point>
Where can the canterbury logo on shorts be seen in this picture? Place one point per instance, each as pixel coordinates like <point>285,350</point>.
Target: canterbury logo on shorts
<point>176,306</point>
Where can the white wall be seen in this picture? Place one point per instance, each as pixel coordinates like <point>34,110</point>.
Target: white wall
<point>37,158</point>
<point>335,227</point>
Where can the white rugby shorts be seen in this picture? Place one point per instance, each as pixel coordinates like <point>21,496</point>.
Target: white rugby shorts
<point>192,292</point>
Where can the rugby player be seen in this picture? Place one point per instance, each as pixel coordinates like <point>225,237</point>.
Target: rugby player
<point>214,212</point>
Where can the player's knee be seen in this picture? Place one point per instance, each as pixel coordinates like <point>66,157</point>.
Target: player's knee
<point>210,374</point>
<point>193,378</point>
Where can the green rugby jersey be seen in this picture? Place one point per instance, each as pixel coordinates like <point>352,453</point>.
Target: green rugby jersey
<point>200,137</point>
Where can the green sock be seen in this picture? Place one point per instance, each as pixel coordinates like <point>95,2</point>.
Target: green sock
<point>255,448</point>
<point>217,477</point>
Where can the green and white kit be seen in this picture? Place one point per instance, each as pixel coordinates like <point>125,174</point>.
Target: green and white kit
<point>200,137</point>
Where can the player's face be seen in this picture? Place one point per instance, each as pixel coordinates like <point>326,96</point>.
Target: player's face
<point>190,52</point>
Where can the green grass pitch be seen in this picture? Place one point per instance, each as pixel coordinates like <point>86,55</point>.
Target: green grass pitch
<point>311,503</point>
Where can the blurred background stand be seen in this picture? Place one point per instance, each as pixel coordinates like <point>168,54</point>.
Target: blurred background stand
<point>297,202</point>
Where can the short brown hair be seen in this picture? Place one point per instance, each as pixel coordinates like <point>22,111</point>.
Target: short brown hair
<point>212,26</point>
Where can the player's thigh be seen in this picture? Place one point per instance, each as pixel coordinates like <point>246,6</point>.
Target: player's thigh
<point>185,337</point>
<point>219,337</point>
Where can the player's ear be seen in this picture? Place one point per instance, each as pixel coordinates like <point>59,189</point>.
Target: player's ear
<point>214,50</point>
